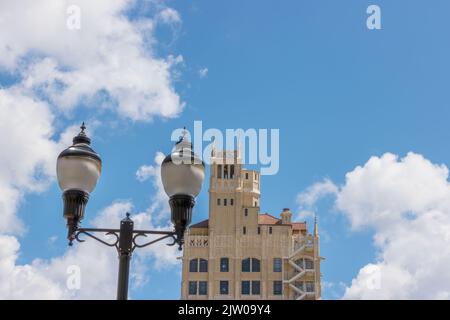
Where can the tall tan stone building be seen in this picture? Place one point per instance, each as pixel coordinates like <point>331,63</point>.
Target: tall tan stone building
<point>239,253</point>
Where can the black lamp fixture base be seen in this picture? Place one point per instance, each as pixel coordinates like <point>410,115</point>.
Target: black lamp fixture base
<point>75,202</point>
<point>181,206</point>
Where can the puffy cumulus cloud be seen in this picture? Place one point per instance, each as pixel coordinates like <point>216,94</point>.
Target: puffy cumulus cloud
<point>406,202</point>
<point>109,62</point>
<point>17,282</point>
<point>85,271</point>
<point>27,161</point>
<point>42,280</point>
<point>29,152</point>
<point>387,190</point>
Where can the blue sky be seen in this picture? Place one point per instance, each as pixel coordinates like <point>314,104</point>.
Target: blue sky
<point>338,92</point>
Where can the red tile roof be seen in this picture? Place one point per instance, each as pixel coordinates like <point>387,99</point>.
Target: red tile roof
<point>263,219</point>
<point>271,220</point>
<point>201,224</point>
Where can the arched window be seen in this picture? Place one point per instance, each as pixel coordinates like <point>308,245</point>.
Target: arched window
<point>193,265</point>
<point>256,265</point>
<point>219,171</point>
<point>246,265</point>
<point>203,265</point>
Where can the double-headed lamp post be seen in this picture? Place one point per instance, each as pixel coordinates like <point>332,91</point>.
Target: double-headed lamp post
<point>78,170</point>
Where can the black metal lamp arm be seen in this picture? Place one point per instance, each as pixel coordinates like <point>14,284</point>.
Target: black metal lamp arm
<point>116,233</point>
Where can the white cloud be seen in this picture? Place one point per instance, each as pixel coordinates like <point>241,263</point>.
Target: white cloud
<point>169,15</point>
<point>145,172</point>
<point>307,199</point>
<point>27,161</point>
<point>109,56</point>
<point>159,209</point>
<point>406,202</point>
<point>203,72</point>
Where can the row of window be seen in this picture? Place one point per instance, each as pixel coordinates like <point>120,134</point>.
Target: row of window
<point>231,202</point>
<point>247,265</point>
<point>247,287</point>
<point>227,172</point>
<point>225,202</point>
<point>244,230</point>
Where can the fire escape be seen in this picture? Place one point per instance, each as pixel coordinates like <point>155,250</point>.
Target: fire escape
<point>300,276</point>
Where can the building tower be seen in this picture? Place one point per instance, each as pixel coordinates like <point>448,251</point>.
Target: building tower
<point>239,253</point>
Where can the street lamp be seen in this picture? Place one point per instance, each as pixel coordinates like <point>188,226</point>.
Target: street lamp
<point>78,170</point>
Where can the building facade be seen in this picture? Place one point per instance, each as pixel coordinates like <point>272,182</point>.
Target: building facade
<point>239,253</point>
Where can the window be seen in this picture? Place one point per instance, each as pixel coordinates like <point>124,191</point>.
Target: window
<point>256,265</point>
<point>309,286</point>
<point>277,288</point>
<point>251,264</point>
<point>224,265</point>
<point>231,202</point>
<point>225,202</point>
<point>193,265</point>
<point>231,171</point>
<point>225,172</point>
<point>256,287</point>
<point>218,201</point>
<point>246,265</point>
<point>277,265</point>
<point>256,204</point>
<point>192,288</point>
<point>203,265</point>
<point>299,285</point>
<point>219,171</point>
<point>259,230</point>
<point>223,287</point>
<point>203,288</point>
<point>270,230</point>
<point>246,176</point>
<point>245,287</point>
<point>309,264</point>
<point>244,230</point>
<point>246,212</point>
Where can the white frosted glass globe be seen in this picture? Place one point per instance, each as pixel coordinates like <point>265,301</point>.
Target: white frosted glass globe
<point>80,173</point>
<point>182,179</point>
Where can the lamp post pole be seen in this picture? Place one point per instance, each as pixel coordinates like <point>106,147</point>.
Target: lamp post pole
<point>78,170</point>
<point>125,248</point>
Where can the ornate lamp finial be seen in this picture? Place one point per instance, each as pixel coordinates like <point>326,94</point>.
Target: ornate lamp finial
<point>82,137</point>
